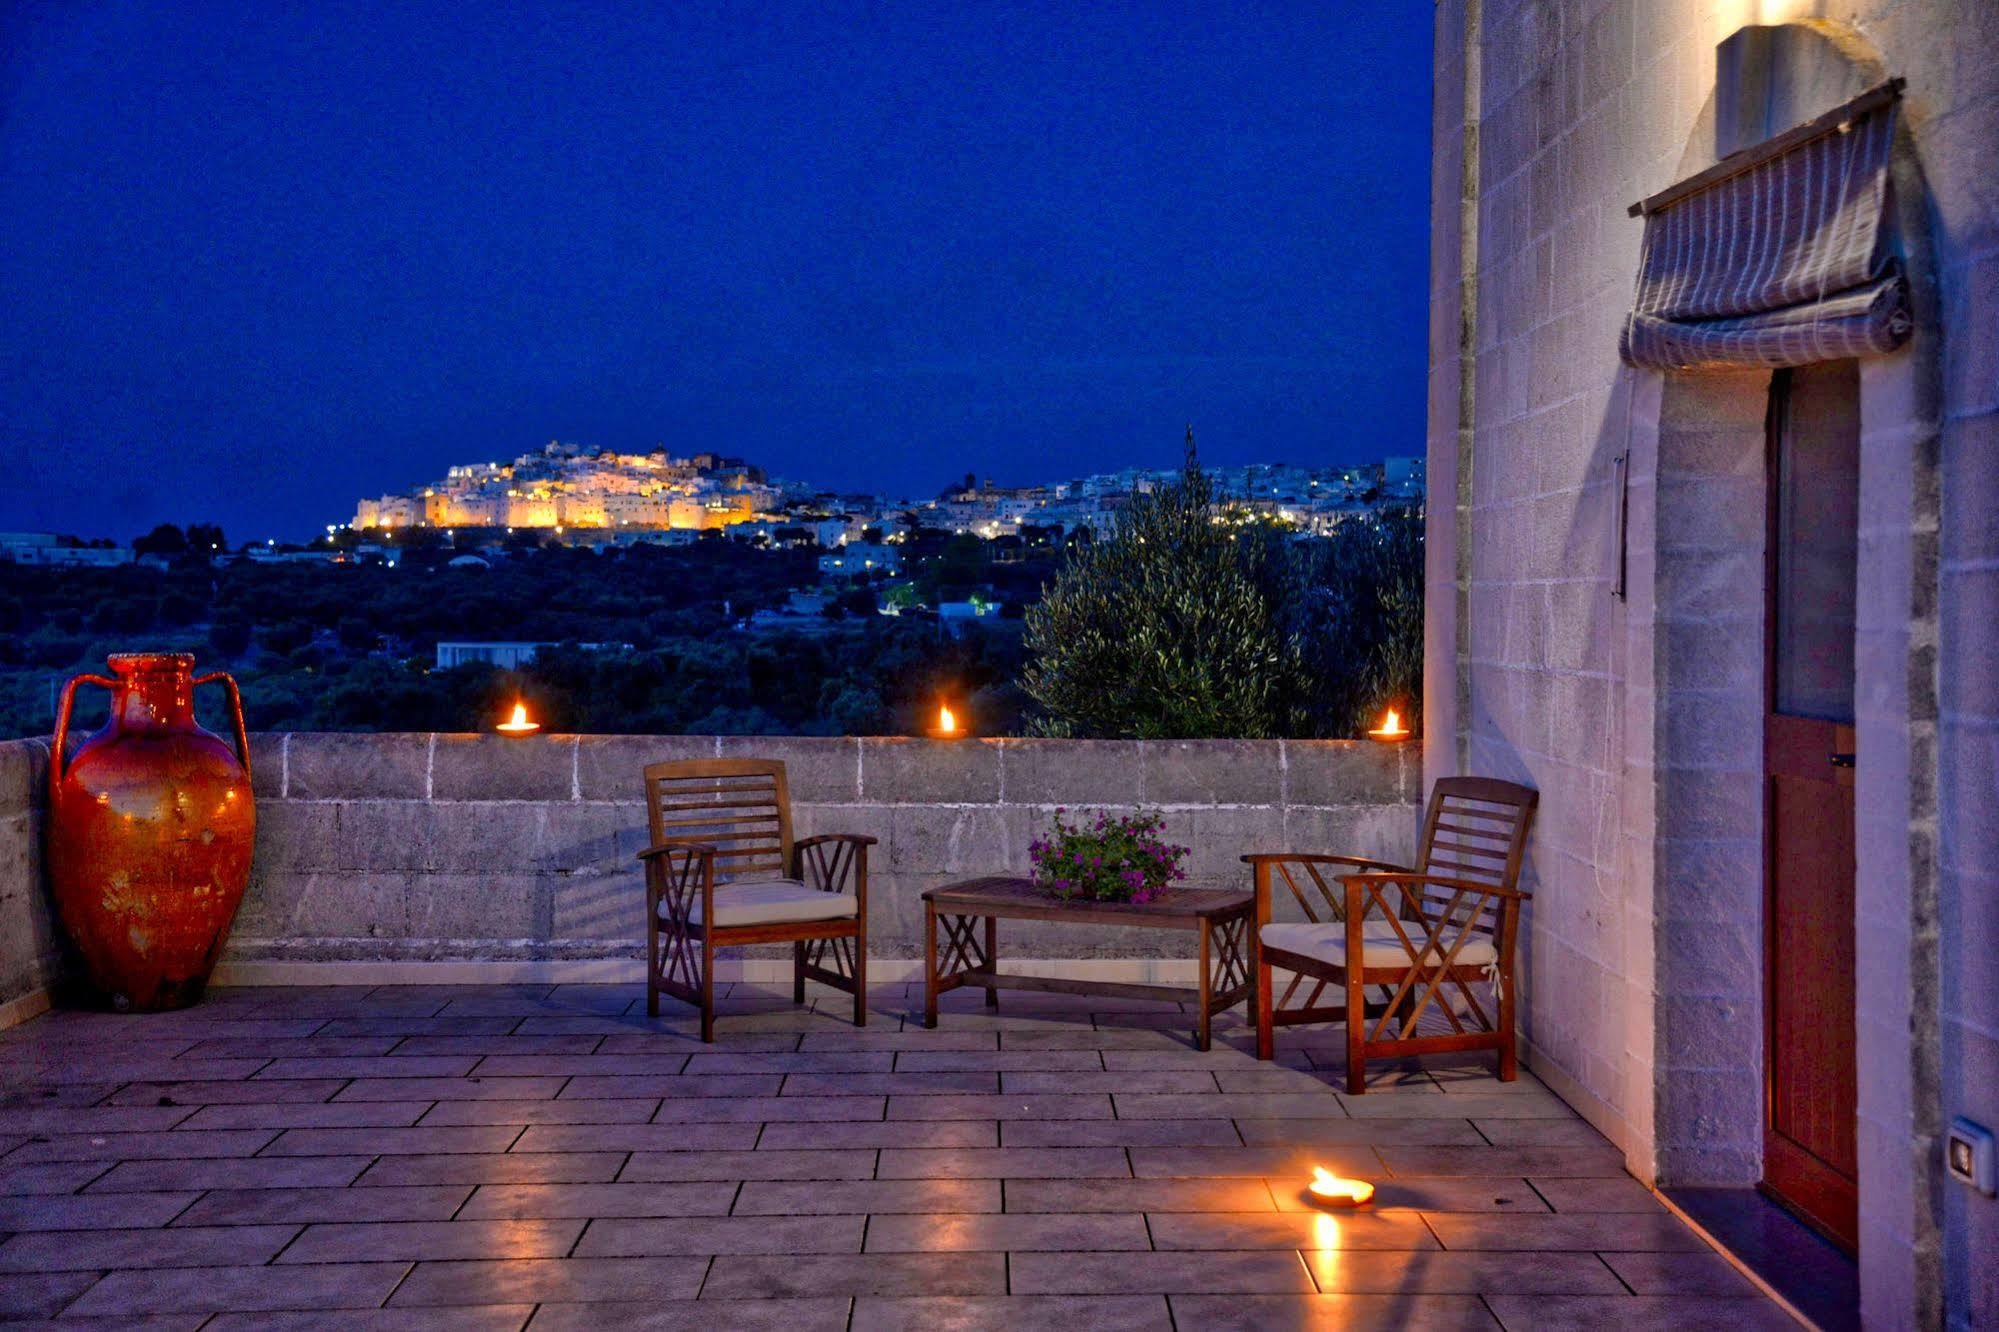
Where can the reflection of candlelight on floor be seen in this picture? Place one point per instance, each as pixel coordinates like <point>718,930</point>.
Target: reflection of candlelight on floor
<point>519,724</point>
<point>1329,1190</point>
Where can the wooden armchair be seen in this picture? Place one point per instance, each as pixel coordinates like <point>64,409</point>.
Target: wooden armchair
<point>723,869</point>
<point>1428,940</point>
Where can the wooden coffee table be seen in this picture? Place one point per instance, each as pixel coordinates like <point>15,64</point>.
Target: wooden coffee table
<point>956,952</point>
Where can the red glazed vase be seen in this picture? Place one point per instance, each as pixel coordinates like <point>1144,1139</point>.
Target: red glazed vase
<point>150,825</point>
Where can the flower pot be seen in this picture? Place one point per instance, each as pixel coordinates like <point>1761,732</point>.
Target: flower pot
<point>150,826</point>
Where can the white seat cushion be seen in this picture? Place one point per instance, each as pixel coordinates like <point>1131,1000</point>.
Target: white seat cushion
<point>1379,945</point>
<point>771,902</point>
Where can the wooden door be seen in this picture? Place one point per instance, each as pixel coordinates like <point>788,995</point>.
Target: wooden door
<point>1809,1159</point>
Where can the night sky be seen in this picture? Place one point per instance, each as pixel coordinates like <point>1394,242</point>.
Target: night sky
<point>259,260</point>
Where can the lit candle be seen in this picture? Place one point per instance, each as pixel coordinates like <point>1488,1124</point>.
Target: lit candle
<point>519,724</point>
<point>1329,1190</point>
<point>947,727</point>
<point>1391,731</point>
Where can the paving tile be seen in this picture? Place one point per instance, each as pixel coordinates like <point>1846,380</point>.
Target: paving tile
<point>49,1177</point>
<point>1580,1231</point>
<point>768,1109</point>
<point>450,1089</point>
<point>689,1136</point>
<point>782,1062</point>
<point>476,1318</point>
<point>886,1133</point>
<point>298,1172</point>
<point>1217,1271</point>
<point>1118,1133</point>
<point>538,1280</point>
<point>1426,1195</point>
<point>1388,1272</point>
<point>636,1067</point>
<point>755,1165</point>
<point>765,1277</point>
<point>95,1250</point>
<point>1122,1082</point>
<point>388,1025</point>
<point>41,1294</point>
<point>1290,1230</point>
<point>30,1121</point>
<point>311,1114</point>
<point>51,1067</point>
<point>344,1285</point>
<point>606,1084</point>
<point>942,1038</point>
<point>495,1168</point>
<point>505,1201</point>
<point>227,1093</point>
<point>1018,1232</point>
<point>393,1141</point>
<point>809,1315</point>
<point>540,1112</point>
<point>1265,1080</point>
<point>371,1241</point>
<point>1622,1194</point>
<point>1219,1105</point>
<point>89,1211</point>
<point>1215,1059</point>
<point>289,1047</point>
<point>1323,1313</point>
<point>961,1082</point>
<point>1410,1105</point>
<point>1138,1195</point>
<point>480,1046</point>
<point>1600,1162</point>
<point>1090,1038</point>
<point>1004,1163</point>
<point>617,1237</point>
<point>1699,1273</point>
<point>1277,1163</point>
<point>186,1322</point>
<point>998,1061</point>
<point>178,1145</point>
<point>1569,1132</point>
<point>870,1196</point>
<point>1097,1106</point>
<point>1638,1314</point>
<point>1019,1313</point>
<point>238,1207</point>
<point>1368,1132</point>
<point>384,1066</point>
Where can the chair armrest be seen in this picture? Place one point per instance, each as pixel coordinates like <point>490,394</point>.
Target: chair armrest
<point>840,859</point>
<point>1313,858</point>
<point>1412,879</point>
<point>662,880</point>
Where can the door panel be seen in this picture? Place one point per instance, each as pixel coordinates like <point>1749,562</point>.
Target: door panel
<point>1811,1088</point>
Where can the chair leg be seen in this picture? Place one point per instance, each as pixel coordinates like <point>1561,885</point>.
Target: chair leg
<point>1266,1027</point>
<point>1356,1034</point>
<point>707,989</point>
<point>798,972</point>
<point>861,981</point>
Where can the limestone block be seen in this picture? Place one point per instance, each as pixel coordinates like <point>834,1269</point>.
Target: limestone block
<point>1717,959</point>
<point>478,906</point>
<point>1067,772</point>
<point>1213,772</point>
<point>816,768</point>
<point>1709,881</point>
<point>945,839</point>
<point>584,839</point>
<point>327,766</point>
<point>325,904</point>
<point>597,906</point>
<point>899,771</point>
<point>810,820</point>
<point>611,767</point>
<point>267,764</point>
<point>293,835</point>
<point>499,767</point>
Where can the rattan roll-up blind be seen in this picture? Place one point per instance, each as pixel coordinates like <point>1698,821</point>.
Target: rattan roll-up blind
<point>1781,255</point>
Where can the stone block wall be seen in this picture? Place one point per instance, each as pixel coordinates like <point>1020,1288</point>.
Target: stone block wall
<point>466,847</point>
<point>28,954</point>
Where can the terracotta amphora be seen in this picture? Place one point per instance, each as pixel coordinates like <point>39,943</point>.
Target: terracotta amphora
<point>149,831</point>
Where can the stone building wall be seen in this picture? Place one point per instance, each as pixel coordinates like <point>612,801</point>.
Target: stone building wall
<point>375,848</point>
<point>1640,720</point>
<point>28,957</point>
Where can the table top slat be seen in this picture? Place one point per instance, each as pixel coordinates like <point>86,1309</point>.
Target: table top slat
<point>999,895</point>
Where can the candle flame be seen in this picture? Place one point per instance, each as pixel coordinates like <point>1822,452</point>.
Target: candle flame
<point>1330,1188</point>
<point>947,721</point>
<point>518,724</point>
<point>1391,726</point>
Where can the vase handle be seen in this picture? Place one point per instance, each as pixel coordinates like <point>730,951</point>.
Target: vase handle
<point>235,713</point>
<point>61,741</point>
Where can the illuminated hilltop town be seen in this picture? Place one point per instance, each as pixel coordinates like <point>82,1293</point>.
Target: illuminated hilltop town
<point>566,486</point>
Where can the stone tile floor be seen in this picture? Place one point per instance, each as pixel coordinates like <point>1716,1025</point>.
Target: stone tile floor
<point>473,1157</point>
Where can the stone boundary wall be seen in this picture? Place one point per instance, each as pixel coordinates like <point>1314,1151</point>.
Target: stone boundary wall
<point>457,848</point>
<point>29,959</point>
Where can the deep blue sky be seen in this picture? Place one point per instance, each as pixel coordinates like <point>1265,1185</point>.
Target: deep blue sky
<point>258,260</point>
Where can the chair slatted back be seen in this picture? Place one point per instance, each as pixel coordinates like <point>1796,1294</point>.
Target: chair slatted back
<point>739,807</point>
<point>1475,829</point>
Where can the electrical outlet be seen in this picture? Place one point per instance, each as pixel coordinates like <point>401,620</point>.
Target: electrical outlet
<point>1968,1155</point>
